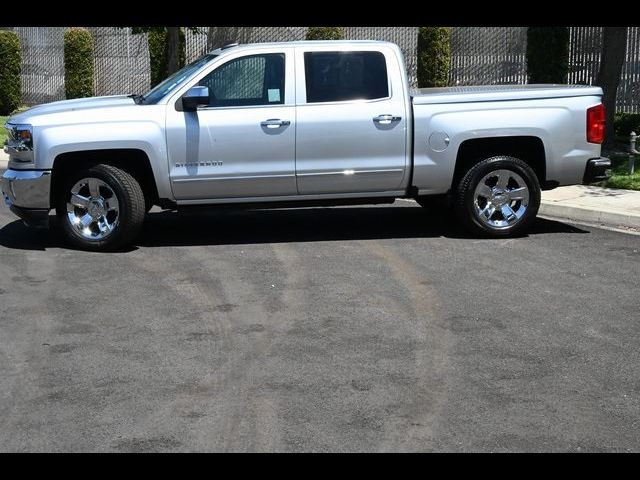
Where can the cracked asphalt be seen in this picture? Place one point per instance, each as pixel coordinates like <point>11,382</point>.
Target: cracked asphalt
<point>375,328</point>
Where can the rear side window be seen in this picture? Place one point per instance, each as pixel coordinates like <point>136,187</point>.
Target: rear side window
<point>340,76</point>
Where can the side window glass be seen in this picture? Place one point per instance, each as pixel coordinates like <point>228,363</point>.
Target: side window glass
<point>246,81</point>
<point>339,76</point>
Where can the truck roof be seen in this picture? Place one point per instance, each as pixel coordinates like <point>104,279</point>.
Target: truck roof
<point>336,43</point>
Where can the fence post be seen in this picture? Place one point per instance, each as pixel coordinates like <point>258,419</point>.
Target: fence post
<point>632,152</point>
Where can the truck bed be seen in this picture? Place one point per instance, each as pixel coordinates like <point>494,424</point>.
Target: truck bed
<point>490,93</point>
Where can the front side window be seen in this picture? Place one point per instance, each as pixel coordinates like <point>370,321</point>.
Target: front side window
<point>245,81</point>
<point>340,76</point>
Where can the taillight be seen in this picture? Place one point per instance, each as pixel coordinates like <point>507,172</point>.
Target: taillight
<point>595,124</point>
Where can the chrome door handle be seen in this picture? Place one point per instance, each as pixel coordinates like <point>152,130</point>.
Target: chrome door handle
<point>275,123</point>
<point>386,119</point>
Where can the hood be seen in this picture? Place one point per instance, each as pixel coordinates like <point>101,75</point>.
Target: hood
<point>38,113</point>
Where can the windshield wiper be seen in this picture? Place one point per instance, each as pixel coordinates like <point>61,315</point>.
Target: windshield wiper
<point>137,98</point>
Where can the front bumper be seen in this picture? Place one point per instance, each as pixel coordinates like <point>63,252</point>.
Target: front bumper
<point>27,192</point>
<point>597,169</point>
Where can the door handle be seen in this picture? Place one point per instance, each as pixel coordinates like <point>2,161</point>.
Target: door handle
<point>275,123</point>
<point>386,119</point>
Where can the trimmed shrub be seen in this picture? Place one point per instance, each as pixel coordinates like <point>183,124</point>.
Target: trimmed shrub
<point>157,58</point>
<point>78,63</point>
<point>547,54</point>
<point>625,123</point>
<point>10,67</point>
<point>434,56</point>
<point>157,41</point>
<point>325,33</point>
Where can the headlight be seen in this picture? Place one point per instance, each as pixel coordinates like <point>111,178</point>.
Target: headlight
<point>20,137</point>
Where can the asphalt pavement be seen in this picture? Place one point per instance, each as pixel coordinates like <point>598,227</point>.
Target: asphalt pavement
<point>374,328</point>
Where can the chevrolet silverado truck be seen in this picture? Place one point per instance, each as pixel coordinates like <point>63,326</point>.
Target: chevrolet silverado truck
<point>299,124</point>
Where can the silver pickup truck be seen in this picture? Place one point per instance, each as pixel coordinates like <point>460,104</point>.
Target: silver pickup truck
<point>300,124</point>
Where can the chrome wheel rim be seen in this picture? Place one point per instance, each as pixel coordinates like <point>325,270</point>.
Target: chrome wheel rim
<point>501,199</point>
<point>93,210</point>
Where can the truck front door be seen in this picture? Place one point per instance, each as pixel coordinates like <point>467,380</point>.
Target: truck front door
<point>243,143</point>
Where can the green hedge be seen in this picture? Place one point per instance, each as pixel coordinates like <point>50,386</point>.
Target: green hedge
<point>625,123</point>
<point>10,67</point>
<point>547,54</point>
<point>78,63</point>
<point>325,33</point>
<point>434,56</point>
<point>157,41</point>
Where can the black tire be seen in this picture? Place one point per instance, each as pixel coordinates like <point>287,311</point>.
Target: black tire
<point>130,214</point>
<point>465,201</point>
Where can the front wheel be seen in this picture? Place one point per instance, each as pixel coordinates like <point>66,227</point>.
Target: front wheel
<point>101,208</point>
<point>498,197</point>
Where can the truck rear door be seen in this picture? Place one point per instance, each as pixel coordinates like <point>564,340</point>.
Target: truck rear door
<point>351,132</point>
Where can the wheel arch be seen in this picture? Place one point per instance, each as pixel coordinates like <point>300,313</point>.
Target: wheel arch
<point>529,149</point>
<point>134,161</point>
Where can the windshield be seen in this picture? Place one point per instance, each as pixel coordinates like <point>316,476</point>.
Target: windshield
<point>163,88</point>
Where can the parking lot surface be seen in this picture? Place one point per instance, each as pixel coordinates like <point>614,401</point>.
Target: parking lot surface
<point>375,328</point>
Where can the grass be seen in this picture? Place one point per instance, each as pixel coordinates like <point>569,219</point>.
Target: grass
<point>620,177</point>
<point>3,132</point>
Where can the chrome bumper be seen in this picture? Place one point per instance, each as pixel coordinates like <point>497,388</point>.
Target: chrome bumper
<point>26,188</point>
<point>26,192</point>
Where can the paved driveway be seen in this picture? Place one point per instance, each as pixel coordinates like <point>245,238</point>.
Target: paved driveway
<point>355,328</point>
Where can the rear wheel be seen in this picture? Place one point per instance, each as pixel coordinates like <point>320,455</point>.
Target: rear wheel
<point>101,208</point>
<point>498,197</point>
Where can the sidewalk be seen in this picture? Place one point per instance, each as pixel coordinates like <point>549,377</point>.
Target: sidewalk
<point>601,206</point>
<point>4,158</point>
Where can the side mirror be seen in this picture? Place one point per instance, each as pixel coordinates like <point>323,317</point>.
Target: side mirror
<point>195,97</point>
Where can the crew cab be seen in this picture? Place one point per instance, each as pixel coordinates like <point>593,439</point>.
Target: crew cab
<point>299,124</point>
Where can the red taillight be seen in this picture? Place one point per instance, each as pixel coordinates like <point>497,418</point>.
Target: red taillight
<point>595,124</point>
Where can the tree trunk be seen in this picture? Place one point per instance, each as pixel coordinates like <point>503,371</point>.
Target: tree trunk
<point>614,47</point>
<point>173,50</point>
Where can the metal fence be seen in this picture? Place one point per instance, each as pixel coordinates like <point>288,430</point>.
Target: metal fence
<point>480,55</point>
<point>121,61</point>
<point>584,62</point>
<point>486,56</point>
<point>211,38</point>
<point>42,64</point>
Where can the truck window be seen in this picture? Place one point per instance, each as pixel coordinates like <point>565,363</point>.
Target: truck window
<point>339,76</point>
<point>245,81</point>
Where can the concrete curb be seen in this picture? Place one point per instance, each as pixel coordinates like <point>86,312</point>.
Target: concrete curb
<point>590,215</point>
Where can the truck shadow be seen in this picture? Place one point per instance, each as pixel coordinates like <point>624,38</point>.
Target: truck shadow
<point>233,226</point>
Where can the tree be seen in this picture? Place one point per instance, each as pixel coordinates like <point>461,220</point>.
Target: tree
<point>158,54</point>
<point>434,56</point>
<point>10,69</point>
<point>172,46</point>
<point>325,33</point>
<point>614,49</point>
<point>78,63</point>
<point>547,54</point>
